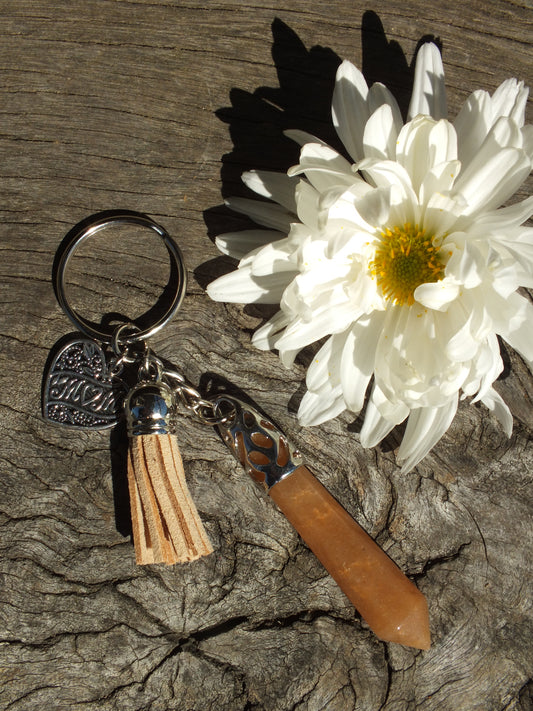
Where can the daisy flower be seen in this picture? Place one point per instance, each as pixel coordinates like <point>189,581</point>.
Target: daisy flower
<point>401,261</point>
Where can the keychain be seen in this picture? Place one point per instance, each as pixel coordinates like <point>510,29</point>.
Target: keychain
<point>107,373</point>
<point>84,388</point>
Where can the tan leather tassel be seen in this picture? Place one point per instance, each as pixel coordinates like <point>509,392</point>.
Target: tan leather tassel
<point>165,520</point>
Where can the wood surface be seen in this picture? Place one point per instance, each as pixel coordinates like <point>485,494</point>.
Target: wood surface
<point>158,106</point>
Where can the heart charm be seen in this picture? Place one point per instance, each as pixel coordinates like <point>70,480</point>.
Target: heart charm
<point>79,390</point>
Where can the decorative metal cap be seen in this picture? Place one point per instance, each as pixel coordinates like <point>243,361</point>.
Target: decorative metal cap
<point>150,409</point>
<point>263,450</point>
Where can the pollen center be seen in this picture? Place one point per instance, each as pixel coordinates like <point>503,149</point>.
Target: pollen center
<point>405,257</point>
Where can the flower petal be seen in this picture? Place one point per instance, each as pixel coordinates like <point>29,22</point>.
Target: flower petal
<point>466,265</point>
<point>429,92</point>
<point>425,427</point>
<point>349,108</point>
<point>515,324</point>
<point>499,409</point>
<point>265,336</point>
<point>274,257</point>
<point>324,168</point>
<point>238,244</point>
<point>316,408</point>
<point>424,143</point>
<point>267,214</point>
<point>437,295</point>
<point>325,366</point>
<point>275,186</point>
<point>510,99</point>
<point>358,359</point>
<point>388,173</point>
<point>439,179</point>
<point>472,124</point>
<point>375,427</point>
<point>240,287</point>
<point>323,322</point>
<point>506,217</point>
<point>491,178</point>
<point>379,95</point>
<point>381,132</point>
<point>307,200</point>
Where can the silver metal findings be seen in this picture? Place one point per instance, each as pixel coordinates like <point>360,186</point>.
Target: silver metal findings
<point>89,227</point>
<point>262,449</point>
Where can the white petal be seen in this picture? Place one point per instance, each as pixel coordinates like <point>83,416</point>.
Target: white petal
<point>527,139</point>
<point>425,427</point>
<point>386,173</point>
<point>323,322</point>
<point>381,132</point>
<point>238,244</point>
<point>307,200</point>
<point>487,366</point>
<point>424,143</point>
<point>267,214</point>
<point>429,93</point>
<point>378,95</point>
<point>510,99</point>
<point>506,217</point>
<point>365,213</point>
<point>520,247</point>
<point>437,295</point>
<point>265,337</point>
<point>349,108</point>
<point>375,427</point>
<point>472,125</point>
<point>516,326</point>
<point>324,167</point>
<point>302,137</point>
<point>316,408</point>
<point>325,366</point>
<point>392,410</point>
<point>490,180</point>
<point>274,257</point>
<point>505,133</point>
<point>464,345</point>
<point>358,359</point>
<point>443,214</point>
<point>439,179</point>
<point>499,409</point>
<point>467,265</point>
<point>276,186</point>
<point>240,287</point>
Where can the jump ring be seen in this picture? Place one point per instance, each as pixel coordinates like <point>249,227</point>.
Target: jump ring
<point>88,228</point>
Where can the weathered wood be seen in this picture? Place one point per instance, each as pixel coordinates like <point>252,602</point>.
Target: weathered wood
<point>159,106</point>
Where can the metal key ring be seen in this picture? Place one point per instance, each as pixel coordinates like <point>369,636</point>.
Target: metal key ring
<point>87,228</point>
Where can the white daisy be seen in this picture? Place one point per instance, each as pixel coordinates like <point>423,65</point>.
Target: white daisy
<point>404,260</point>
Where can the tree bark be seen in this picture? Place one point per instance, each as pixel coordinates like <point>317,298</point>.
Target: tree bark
<point>159,107</point>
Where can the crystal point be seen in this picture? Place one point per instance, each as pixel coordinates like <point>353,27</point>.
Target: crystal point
<point>392,606</point>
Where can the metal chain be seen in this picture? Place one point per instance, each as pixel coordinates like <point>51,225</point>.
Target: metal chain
<point>205,411</point>
<point>151,367</point>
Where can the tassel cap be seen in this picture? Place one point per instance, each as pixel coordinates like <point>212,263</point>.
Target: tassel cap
<point>150,409</point>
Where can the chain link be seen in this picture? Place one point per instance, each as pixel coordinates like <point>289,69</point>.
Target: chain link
<point>150,367</point>
<point>205,411</point>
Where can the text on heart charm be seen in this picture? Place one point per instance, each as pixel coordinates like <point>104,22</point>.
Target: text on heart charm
<point>79,390</point>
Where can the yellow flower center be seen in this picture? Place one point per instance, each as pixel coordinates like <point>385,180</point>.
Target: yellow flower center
<point>405,258</point>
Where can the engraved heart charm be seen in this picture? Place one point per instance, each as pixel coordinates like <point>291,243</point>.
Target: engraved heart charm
<point>78,389</point>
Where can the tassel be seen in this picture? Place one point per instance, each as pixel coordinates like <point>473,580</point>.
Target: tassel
<point>166,525</point>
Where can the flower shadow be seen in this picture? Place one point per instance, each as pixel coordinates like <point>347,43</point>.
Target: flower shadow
<point>257,120</point>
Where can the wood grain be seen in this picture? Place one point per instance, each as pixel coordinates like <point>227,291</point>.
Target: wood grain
<point>159,106</point>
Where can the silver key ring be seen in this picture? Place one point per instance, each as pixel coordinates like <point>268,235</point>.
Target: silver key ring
<point>89,227</point>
